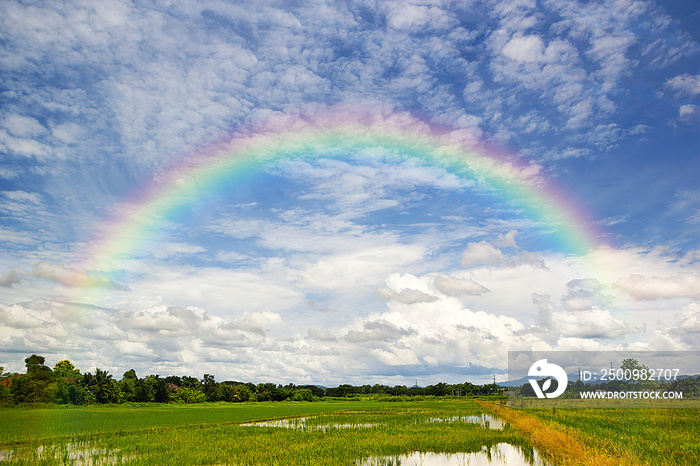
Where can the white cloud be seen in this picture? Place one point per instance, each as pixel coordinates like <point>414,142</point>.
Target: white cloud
<point>685,84</point>
<point>362,267</point>
<point>173,249</point>
<point>18,317</point>
<point>322,334</point>
<point>593,323</point>
<point>134,348</point>
<point>72,278</point>
<point>584,294</point>
<point>690,318</point>
<point>22,196</point>
<point>437,337</point>
<point>484,253</point>
<point>377,330</point>
<point>26,147</point>
<point>686,285</point>
<point>22,126</point>
<point>405,296</point>
<point>218,289</point>
<point>12,277</point>
<point>452,286</point>
<point>528,49</point>
<point>610,51</point>
<point>407,16</point>
<point>688,112</point>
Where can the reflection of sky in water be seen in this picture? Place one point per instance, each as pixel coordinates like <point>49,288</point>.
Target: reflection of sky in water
<point>300,424</point>
<point>502,454</point>
<point>484,420</point>
<point>79,454</point>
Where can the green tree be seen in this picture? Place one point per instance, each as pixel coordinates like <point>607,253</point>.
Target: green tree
<point>127,386</point>
<point>635,375</point>
<point>37,370</point>
<point>5,384</point>
<point>210,388</point>
<point>36,385</point>
<point>244,393</point>
<point>690,386</point>
<point>65,368</point>
<point>155,389</point>
<point>101,386</point>
<point>189,395</point>
<point>68,383</point>
<point>303,394</point>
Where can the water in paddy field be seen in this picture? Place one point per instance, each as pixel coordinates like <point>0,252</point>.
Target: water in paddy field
<point>502,454</point>
<point>483,420</point>
<point>77,454</point>
<point>300,424</point>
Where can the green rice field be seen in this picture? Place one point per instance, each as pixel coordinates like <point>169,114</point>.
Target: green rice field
<point>652,436</point>
<point>339,432</point>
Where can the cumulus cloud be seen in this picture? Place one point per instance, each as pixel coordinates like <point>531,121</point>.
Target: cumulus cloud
<point>415,332</point>
<point>458,286</point>
<point>591,323</point>
<point>584,294</point>
<point>405,296</point>
<point>690,318</point>
<point>686,285</point>
<point>322,334</point>
<point>12,277</point>
<point>484,253</point>
<point>379,331</point>
<point>143,336</point>
<point>359,268</point>
<point>595,323</point>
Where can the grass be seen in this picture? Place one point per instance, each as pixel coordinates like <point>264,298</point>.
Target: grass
<point>212,434</point>
<point>665,437</point>
<point>43,424</point>
<point>397,428</point>
<point>625,436</point>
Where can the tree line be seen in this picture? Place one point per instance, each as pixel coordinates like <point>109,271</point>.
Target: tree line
<point>65,384</point>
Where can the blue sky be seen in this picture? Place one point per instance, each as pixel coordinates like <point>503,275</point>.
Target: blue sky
<point>365,268</point>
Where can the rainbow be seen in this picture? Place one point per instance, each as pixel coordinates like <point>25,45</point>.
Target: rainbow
<point>336,134</point>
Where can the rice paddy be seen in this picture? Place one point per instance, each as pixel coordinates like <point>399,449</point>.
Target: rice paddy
<point>346,433</point>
